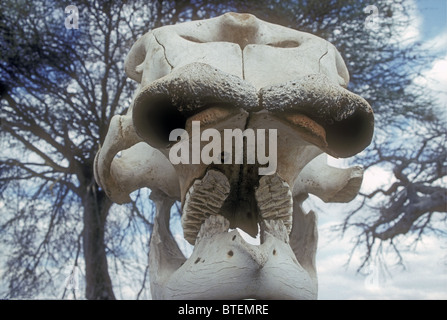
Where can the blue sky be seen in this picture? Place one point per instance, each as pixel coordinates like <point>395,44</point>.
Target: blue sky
<point>432,28</point>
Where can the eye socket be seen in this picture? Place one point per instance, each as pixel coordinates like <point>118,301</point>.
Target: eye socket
<point>285,44</point>
<point>155,118</point>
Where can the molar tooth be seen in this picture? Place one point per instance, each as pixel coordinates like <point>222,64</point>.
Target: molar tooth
<point>273,203</point>
<point>275,200</point>
<point>204,199</point>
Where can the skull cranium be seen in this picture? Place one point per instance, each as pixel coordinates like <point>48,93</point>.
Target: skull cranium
<point>236,72</point>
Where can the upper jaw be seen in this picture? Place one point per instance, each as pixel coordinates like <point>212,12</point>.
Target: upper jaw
<point>234,190</point>
<point>309,115</point>
<point>336,120</point>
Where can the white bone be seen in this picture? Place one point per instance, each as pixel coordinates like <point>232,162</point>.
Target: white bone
<point>328,183</point>
<point>236,71</point>
<point>139,166</point>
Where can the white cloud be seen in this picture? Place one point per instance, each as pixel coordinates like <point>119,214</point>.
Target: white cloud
<point>407,34</point>
<point>376,177</point>
<point>425,276</point>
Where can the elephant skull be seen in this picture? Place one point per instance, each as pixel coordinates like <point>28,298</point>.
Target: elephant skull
<point>240,73</point>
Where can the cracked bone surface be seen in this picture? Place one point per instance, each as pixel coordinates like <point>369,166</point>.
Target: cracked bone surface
<point>235,73</point>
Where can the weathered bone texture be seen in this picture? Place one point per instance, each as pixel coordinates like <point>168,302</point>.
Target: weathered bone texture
<point>236,72</point>
<point>139,165</point>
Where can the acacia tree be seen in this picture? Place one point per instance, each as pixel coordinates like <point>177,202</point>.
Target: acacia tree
<point>59,89</point>
<point>412,202</point>
<point>409,142</point>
